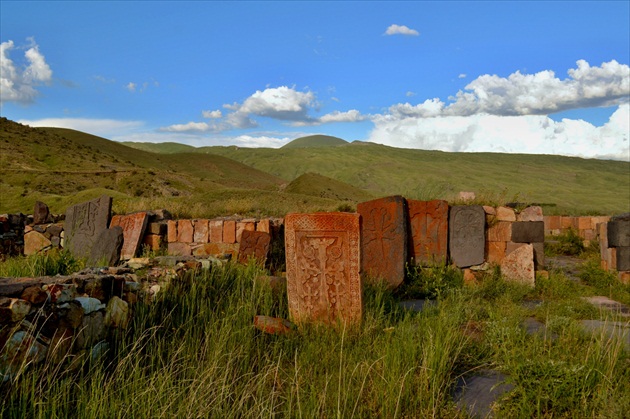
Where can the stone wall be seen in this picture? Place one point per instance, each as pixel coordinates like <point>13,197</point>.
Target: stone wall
<point>585,227</point>
<point>614,245</point>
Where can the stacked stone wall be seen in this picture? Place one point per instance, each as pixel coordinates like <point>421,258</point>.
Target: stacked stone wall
<point>614,245</point>
<point>585,227</point>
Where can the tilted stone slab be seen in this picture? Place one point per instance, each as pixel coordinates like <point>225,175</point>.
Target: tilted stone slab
<point>384,239</point>
<point>528,232</point>
<point>467,235</point>
<point>133,227</point>
<point>35,242</point>
<point>254,244</point>
<point>428,226</point>
<point>84,222</point>
<point>323,259</point>
<point>106,251</point>
<point>619,231</point>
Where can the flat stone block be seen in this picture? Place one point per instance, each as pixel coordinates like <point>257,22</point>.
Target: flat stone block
<point>495,252</point>
<point>428,226</point>
<point>533,213</point>
<point>467,235</point>
<point>519,265</point>
<point>229,231</point>
<point>528,232</point>
<point>242,226</point>
<point>323,257</point>
<point>584,223</point>
<point>501,231</point>
<point>215,234</point>
<point>201,231</point>
<point>153,241</point>
<point>384,239</point>
<point>552,222</point>
<point>185,231</point>
<point>264,226</point>
<point>172,231</point>
<point>157,228</point>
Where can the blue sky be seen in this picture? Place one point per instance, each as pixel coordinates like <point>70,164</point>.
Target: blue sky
<point>527,77</point>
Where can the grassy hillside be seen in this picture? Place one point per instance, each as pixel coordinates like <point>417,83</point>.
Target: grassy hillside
<point>317,185</point>
<point>165,148</point>
<point>315,141</point>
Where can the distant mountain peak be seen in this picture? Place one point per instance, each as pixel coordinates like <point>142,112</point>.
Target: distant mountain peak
<point>315,141</point>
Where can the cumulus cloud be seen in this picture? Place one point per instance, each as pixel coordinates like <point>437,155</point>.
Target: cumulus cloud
<point>17,84</point>
<point>543,93</point>
<point>101,127</point>
<point>212,114</point>
<point>533,134</point>
<point>131,87</point>
<point>401,30</point>
<point>349,116</point>
<point>189,127</point>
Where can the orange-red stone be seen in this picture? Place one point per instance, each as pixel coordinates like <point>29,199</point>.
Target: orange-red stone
<point>254,244</point>
<point>133,226</point>
<point>428,222</point>
<point>215,234</point>
<point>229,231</point>
<point>201,231</point>
<point>501,231</point>
<point>185,231</point>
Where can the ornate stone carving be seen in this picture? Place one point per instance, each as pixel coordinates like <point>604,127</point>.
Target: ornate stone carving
<point>133,227</point>
<point>84,222</point>
<point>323,261</point>
<point>467,235</point>
<point>254,244</point>
<point>428,222</point>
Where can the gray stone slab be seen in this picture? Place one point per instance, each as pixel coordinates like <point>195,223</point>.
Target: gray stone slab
<point>106,249</point>
<point>623,258</point>
<point>608,304</point>
<point>619,233</point>
<point>619,329</point>
<point>467,235</point>
<point>477,394</point>
<point>417,305</point>
<point>84,222</point>
<point>528,232</point>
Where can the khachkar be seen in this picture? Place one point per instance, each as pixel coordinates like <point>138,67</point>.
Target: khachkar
<point>384,239</point>
<point>84,222</point>
<point>467,235</point>
<point>428,225</point>
<point>323,261</point>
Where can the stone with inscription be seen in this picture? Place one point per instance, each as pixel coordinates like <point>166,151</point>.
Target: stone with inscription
<point>467,224</point>
<point>428,226</point>
<point>133,227</point>
<point>323,258</point>
<point>384,239</point>
<point>254,244</point>
<point>84,222</point>
<point>106,250</point>
<point>528,232</point>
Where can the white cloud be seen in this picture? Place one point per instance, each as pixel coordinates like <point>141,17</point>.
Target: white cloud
<point>281,103</point>
<point>131,87</point>
<point>349,116</point>
<point>260,141</point>
<point>20,86</point>
<point>429,108</point>
<point>401,30</point>
<point>189,127</point>
<point>534,134</point>
<point>410,94</point>
<point>212,114</point>
<point>101,127</point>
<point>255,140</point>
<point>462,76</point>
<point>543,93</point>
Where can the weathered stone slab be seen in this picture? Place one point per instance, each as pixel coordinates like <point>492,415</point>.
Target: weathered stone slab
<point>229,231</point>
<point>254,244</point>
<point>519,265</point>
<point>215,234</point>
<point>172,231</point>
<point>264,225</point>
<point>41,213</point>
<point>467,235</point>
<point>533,213</point>
<point>185,231</point>
<point>552,222</point>
<point>619,232</point>
<point>495,251</point>
<point>428,225</point>
<point>500,231</point>
<point>35,242</point>
<point>477,394</point>
<point>84,222</point>
<point>323,258</point>
<point>539,252</point>
<point>528,232</point>
<point>106,250</point>
<point>201,231</point>
<point>506,214</point>
<point>244,225</point>
<point>133,227</point>
<point>384,239</point>
<point>617,330</point>
<point>623,258</point>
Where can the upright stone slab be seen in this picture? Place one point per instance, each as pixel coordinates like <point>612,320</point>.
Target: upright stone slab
<point>428,226</point>
<point>519,265</point>
<point>107,248</point>
<point>84,222</point>
<point>41,213</point>
<point>254,244</point>
<point>323,259</point>
<point>619,231</point>
<point>384,239</point>
<point>133,227</point>
<point>467,238</point>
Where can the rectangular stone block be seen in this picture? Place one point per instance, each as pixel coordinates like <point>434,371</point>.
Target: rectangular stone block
<point>323,259</point>
<point>467,235</point>
<point>156,228</point>
<point>215,234</point>
<point>428,227</point>
<point>179,249</point>
<point>552,222</point>
<point>619,233</point>
<point>623,258</point>
<point>254,244</point>
<point>519,265</point>
<point>602,232</point>
<point>384,239</point>
<point>501,231</point>
<point>152,241</point>
<point>528,232</point>
<point>201,231</point>
<point>133,226</point>
<point>216,249</point>
<point>185,231</point>
<point>533,213</point>
<point>172,231</point>
<point>242,226</point>
<point>229,231</point>
<point>568,222</point>
<point>264,226</point>
<point>495,252</point>
<point>83,224</point>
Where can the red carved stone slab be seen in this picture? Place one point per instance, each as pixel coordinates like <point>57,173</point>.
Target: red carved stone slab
<point>428,222</point>
<point>254,244</point>
<point>323,259</point>
<point>384,239</point>
<point>133,226</point>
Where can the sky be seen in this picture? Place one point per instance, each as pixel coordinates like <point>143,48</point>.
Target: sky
<point>515,76</point>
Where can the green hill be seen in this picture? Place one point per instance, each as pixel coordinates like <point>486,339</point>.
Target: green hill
<point>164,148</point>
<point>317,185</point>
<point>315,141</point>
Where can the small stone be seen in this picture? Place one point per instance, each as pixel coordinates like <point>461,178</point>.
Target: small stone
<point>41,213</point>
<point>61,293</point>
<point>71,314</point>
<point>13,310</point>
<point>506,214</point>
<point>34,295</point>
<point>117,313</point>
<point>138,263</point>
<point>21,349</point>
<point>533,213</point>
<point>90,304</point>
<point>273,325</point>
